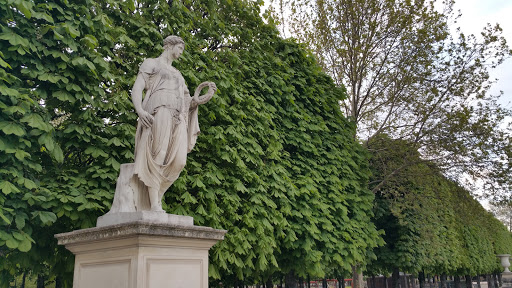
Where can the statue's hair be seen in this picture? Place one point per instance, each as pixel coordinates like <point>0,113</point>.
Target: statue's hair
<point>172,40</point>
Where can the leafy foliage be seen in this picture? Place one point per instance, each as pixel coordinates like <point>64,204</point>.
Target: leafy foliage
<point>431,224</point>
<point>276,163</point>
<point>408,77</point>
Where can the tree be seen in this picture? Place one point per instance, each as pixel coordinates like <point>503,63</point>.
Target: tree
<point>408,77</point>
<point>432,225</point>
<point>503,212</point>
<point>275,164</point>
<point>54,167</point>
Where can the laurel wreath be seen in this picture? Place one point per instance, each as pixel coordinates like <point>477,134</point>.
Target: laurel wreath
<point>206,97</point>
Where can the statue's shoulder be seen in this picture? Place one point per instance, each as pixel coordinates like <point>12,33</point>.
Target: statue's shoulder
<point>149,65</point>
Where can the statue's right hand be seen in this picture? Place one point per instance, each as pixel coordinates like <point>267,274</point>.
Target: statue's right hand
<point>146,119</point>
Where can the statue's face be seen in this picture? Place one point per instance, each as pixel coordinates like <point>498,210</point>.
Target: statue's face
<point>177,50</point>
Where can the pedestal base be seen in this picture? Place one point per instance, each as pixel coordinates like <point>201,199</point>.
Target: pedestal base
<point>141,255</point>
<point>506,279</point>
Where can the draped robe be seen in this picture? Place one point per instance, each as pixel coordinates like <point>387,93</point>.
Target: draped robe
<point>160,150</point>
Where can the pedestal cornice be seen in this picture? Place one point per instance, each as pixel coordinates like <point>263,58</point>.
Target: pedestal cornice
<point>139,228</point>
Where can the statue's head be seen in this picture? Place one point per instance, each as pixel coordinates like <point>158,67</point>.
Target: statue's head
<point>172,40</point>
<point>174,45</point>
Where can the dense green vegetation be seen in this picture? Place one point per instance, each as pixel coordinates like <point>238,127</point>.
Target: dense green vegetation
<point>277,163</point>
<point>432,225</point>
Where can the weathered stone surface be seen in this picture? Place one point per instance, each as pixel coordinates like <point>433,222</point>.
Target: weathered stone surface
<point>141,255</point>
<point>144,216</point>
<point>167,130</point>
<point>506,278</point>
<point>139,228</point>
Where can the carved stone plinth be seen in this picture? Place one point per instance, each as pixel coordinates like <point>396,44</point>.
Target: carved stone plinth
<point>506,279</point>
<point>141,255</point>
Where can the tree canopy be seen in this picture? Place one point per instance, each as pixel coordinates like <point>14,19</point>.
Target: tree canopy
<point>410,77</point>
<point>432,225</point>
<point>276,163</point>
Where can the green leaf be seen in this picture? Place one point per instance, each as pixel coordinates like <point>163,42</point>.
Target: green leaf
<point>46,217</point>
<point>18,235</point>
<point>42,15</point>
<point>20,222</point>
<point>8,188</point>
<point>47,140</point>
<point>64,96</point>
<point>4,235</point>
<point>20,154</point>
<point>95,152</point>
<point>4,65</point>
<point>131,5</point>
<point>11,243</point>
<point>4,90</point>
<point>29,184</point>
<point>10,128</point>
<point>83,62</point>
<point>57,154</point>
<point>36,121</point>
<point>90,41</point>
<point>24,245</point>
<point>14,39</point>
<point>71,29</point>
<point>6,221</point>
<point>188,198</point>
<point>24,7</point>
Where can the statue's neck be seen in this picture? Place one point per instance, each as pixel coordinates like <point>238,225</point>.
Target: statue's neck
<point>166,58</point>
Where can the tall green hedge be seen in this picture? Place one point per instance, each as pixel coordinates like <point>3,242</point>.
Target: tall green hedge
<point>276,163</point>
<point>432,224</point>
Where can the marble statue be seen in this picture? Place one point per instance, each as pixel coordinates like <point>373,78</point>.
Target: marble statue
<point>167,130</point>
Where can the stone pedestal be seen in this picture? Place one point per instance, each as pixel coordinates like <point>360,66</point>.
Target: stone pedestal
<point>141,253</point>
<point>506,279</point>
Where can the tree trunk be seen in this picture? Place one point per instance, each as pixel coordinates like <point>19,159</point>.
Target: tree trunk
<point>269,283</point>
<point>40,281</point>
<point>456,281</point>
<point>395,278</point>
<point>324,283</point>
<point>23,279</point>
<point>478,281</point>
<point>495,280</point>
<point>385,282</point>
<point>309,282</point>
<point>421,279</point>
<point>58,282</point>
<point>469,282</point>
<point>357,277</point>
<point>443,281</point>
<point>500,280</point>
<point>290,281</point>
<point>374,280</point>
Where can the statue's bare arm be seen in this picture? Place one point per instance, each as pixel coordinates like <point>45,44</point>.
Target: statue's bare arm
<point>144,116</point>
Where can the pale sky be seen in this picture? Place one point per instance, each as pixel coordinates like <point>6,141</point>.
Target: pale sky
<point>475,15</point>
